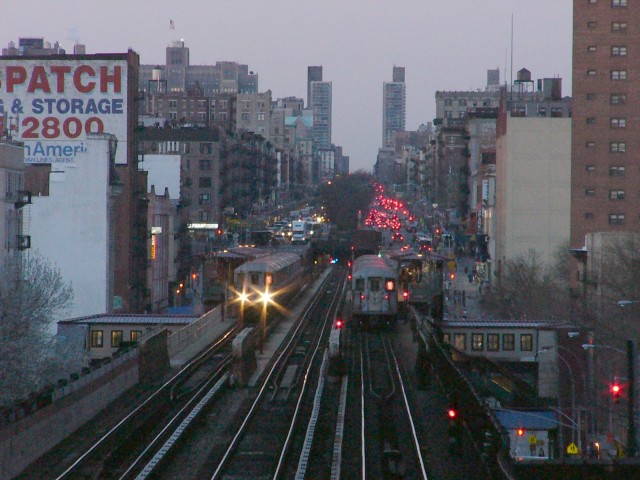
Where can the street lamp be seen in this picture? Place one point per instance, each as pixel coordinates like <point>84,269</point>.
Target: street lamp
<point>631,427</point>
<point>573,397</point>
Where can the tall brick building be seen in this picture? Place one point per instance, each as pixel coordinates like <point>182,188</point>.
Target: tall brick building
<point>605,149</point>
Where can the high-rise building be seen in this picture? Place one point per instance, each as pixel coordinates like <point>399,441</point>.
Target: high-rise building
<point>604,147</point>
<point>394,108</point>
<point>314,74</point>
<point>319,100</point>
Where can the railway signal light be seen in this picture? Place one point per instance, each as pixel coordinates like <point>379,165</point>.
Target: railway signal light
<point>339,323</point>
<point>615,391</point>
<point>520,432</point>
<point>452,413</point>
<point>405,294</point>
<point>452,276</point>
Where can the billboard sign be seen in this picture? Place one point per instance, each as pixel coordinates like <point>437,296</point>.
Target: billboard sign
<point>54,103</point>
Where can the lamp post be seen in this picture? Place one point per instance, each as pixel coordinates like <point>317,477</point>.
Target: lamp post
<point>631,426</point>
<point>573,397</point>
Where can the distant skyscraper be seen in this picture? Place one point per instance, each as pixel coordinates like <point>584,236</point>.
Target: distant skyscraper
<point>394,109</point>
<point>314,74</point>
<point>319,98</point>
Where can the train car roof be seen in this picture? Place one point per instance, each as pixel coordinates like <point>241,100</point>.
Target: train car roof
<point>269,263</point>
<point>371,264</point>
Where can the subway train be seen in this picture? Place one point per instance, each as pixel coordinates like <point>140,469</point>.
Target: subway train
<point>266,283</point>
<point>374,292</point>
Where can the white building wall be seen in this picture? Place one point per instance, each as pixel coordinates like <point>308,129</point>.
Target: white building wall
<point>533,169</point>
<point>71,227</point>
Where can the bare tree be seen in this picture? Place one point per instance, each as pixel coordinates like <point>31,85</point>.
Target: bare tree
<point>526,288</point>
<point>32,294</point>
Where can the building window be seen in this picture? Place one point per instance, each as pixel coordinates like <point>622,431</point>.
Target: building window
<point>591,73</point>
<point>618,122</point>
<point>616,218</point>
<point>618,26</point>
<point>204,216</point>
<point>493,342</point>
<point>617,147</point>
<point>244,117</point>
<point>526,342</point>
<point>135,335</point>
<point>589,216</point>
<point>202,116</point>
<point>592,24</point>
<point>96,338</point>
<point>173,104</point>
<point>204,182</point>
<point>590,192</point>
<point>618,74</point>
<point>592,48</point>
<point>618,3</point>
<point>448,102</point>
<point>618,51</point>
<point>487,102</point>
<point>590,168</point>
<point>446,338</point>
<point>477,342</point>
<point>260,116</point>
<point>206,148</point>
<point>448,114</point>
<point>205,164</point>
<point>591,96</point>
<point>460,341</point>
<point>591,120</point>
<point>618,98</point>
<point>616,171</point>
<point>205,199</point>
<point>508,342</point>
<point>590,144</point>
<point>616,194</point>
<point>116,338</point>
<point>592,1</point>
<point>462,102</point>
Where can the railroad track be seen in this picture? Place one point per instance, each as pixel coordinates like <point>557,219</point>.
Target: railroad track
<point>390,447</point>
<point>132,439</point>
<point>266,443</point>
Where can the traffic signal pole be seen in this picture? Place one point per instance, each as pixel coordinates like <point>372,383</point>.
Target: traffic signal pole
<point>631,432</point>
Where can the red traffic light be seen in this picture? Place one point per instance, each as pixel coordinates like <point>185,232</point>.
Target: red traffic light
<point>452,413</point>
<point>615,390</point>
<point>339,323</point>
<point>405,294</point>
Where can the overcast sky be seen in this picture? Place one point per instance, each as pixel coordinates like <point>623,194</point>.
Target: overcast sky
<point>444,45</point>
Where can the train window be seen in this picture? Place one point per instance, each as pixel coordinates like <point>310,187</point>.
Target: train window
<point>390,284</point>
<point>268,278</point>
<point>255,279</point>
<point>493,342</point>
<point>508,342</point>
<point>446,337</point>
<point>240,279</point>
<point>116,338</point>
<point>460,341</point>
<point>135,335</point>
<point>477,342</point>
<point>374,284</point>
<point>96,338</point>
<point>526,342</point>
<point>359,283</point>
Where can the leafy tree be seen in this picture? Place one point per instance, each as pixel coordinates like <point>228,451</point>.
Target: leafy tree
<point>526,288</point>
<point>32,294</point>
<point>345,196</point>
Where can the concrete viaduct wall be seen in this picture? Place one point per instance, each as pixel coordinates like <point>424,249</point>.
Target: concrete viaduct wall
<point>30,429</point>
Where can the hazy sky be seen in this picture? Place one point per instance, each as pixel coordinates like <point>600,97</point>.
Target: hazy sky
<point>444,45</point>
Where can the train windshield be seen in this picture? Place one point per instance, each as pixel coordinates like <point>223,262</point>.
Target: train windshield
<point>255,279</point>
<point>375,284</point>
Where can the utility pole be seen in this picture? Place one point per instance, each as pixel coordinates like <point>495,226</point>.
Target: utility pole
<point>631,433</point>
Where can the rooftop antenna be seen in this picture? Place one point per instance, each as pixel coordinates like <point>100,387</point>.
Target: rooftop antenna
<point>511,68</point>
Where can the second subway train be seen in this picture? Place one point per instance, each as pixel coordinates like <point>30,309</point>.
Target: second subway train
<point>374,291</point>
